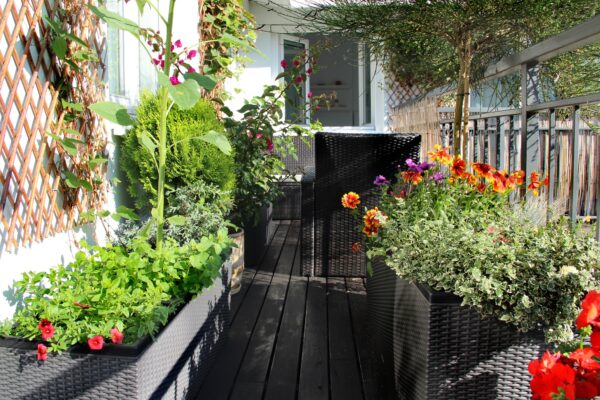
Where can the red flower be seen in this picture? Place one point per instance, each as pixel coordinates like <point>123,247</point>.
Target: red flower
<point>356,247</point>
<point>350,200</point>
<point>586,386</point>
<point>595,339</point>
<point>585,359</point>
<point>545,364</point>
<point>458,167</point>
<point>309,71</point>
<point>412,177</point>
<point>270,145</point>
<point>560,376</point>
<point>296,63</point>
<point>47,329</point>
<point>117,336</point>
<point>483,170</point>
<point>535,183</point>
<point>96,342</point>
<point>299,79</point>
<point>481,187</point>
<point>590,311</point>
<point>284,64</point>
<point>42,352</point>
<point>309,95</point>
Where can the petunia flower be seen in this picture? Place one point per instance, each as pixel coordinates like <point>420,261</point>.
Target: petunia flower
<point>420,168</point>
<point>96,343</point>
<point>42,352</point>
<point>116,336</point>
<point>381,180</point>
<point>437,177</point>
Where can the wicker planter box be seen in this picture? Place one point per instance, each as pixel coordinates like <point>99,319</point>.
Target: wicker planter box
<point>257,236</point>
<point>440,350</point>
<point>237,260</point>
<point>170,367</point>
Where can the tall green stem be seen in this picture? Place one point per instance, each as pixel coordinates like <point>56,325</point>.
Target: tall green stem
<point>162,134</point>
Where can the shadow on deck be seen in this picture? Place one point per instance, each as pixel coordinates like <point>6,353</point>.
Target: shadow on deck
<point>294,337</point>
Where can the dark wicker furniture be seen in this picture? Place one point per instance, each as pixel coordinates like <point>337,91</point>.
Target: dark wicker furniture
<point>345,162</point>
<point>171,367</point>
<point>440,350</point>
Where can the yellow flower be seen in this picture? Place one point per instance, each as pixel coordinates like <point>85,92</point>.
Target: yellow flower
<point>350,200</point>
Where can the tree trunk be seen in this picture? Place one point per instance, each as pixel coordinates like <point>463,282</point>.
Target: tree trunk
<point>458,106</point>
<point>461,108</point>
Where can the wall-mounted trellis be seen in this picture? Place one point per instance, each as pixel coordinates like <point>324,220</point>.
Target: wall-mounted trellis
<point>32,199</point>
<point>398,94</point>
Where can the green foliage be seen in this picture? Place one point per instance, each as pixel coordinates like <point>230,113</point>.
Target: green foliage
<point>204,206</point>
<point>134,288</point>
<point>189,158</point>
<point>505,262</point>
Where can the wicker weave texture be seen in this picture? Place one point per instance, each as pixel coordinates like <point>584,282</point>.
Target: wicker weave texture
<point>307,215</point>
<point>288,205</point>
<point>443,350</point>
<point>305,156</point>
<point>350,162</point>
<point>171,367</point>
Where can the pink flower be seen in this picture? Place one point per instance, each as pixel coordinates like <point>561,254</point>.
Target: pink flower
<point>318,108</point>
<point>309,95</point>
<point>284,64</point>
<point>117,336</point>
<point>258,136</point>
<point>162,64</point>
<point>191,69</point>
<point>42,352</point>
<point>178,43</point>
<point>155,61</point>
<point>180,62</point>
<point>96,342</point>
<point>270,145</point>
<point>174,80</point>
<point>192,54</point>
<point>296,63</point>
<point>299,79</point>
<point>309,71</point>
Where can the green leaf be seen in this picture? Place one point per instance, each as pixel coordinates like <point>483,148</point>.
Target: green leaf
<point>185,95</point>
<point>59,47</point>
<point>114,20</point>
<point>126,213</point>
<point>69,145</point>
<point>217,139</point>
<point>74,182</point>
<point>248,107</point>
<point>177,220</point>
<point>147,142</point>
<point>230,39</point>
<point>54,25</point>
<point>141,4</point>
<point>73,131</point>
<point>94,162</point>
<point>115,181</point>
<point>76,39</point>
<point>113,112</point>
<point>206,82</point>
<point>72,106</point>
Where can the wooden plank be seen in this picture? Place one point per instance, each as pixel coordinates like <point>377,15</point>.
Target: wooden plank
<point>252,376</point>
<point>377,384</point>
<point>222,376</point>
<point>270,258</point>
<point>282,381</point>
<point>345,377</point>
<point>314,367</point>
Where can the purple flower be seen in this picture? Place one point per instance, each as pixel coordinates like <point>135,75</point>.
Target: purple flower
<point>422,167</point>
<point>380,180</point>
<point>437,177</point>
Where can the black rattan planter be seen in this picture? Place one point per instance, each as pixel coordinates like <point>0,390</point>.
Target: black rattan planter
<point>257,235</point>
<point>172,366</point>
<point>440,350</point>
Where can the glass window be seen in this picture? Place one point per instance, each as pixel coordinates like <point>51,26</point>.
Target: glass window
<point>295,102</point>
<point>114,53</point>
<point>367,82</point>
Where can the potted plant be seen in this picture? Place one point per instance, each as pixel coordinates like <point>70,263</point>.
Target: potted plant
<point>465,286</point>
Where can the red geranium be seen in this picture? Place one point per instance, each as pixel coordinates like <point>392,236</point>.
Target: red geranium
<point>558,377</point>
<point>117,336</point>
<point>96,342</point>
<point>590,311</point>
<point>42,352</point>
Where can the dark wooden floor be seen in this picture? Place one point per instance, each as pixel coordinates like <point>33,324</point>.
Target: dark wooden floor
<point>294,337</point>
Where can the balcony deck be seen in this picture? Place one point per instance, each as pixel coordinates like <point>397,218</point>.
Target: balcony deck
<point>294,337</point>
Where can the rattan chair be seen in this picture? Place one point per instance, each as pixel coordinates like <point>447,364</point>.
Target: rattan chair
<point>345,162</point>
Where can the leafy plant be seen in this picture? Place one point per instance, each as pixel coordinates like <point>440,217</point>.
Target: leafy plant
<point>133,289</point>
<point>189,158</point>
<point>194,212</point>
<point>456,231</point>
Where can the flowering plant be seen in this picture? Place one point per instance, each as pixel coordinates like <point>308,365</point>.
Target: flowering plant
<point>574,374</point>
<point>452,227</point>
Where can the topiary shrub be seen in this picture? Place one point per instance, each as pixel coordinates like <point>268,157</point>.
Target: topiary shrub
<point>188,160</point>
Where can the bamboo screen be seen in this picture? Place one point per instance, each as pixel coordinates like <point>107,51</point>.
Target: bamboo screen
<point>32,203</point>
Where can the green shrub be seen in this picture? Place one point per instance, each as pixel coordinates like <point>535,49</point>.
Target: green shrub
<point>188,159</point>
<point>205,207</point>
<point>134,289</point>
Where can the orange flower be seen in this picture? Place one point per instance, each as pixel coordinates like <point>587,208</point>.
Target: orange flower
<point>499,182</point>
<point>459,166</point>
<point>481,187</point>
<point>373,220</point>
<point>412,177</point>
<point>517,177</point>
<point>356,247</point>
<point>483,170</point>
<point>440,155</point>
<point>470,178</point>
<point>350,200</point>
<point>535,183</point>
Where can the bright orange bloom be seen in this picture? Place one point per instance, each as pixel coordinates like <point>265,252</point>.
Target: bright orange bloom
<point>373,221</point>
<point>517,177</point>
<point>459,166</point>
<point>481,187</point>
<point>535,183</point>
<point>356,247</point>
<point>499,182</point>
<point>440,155</point>
<point>350,200</point>
<point>470,178</point>
<point>590,311</point>
<point>483,170</point>
<point>412,177</point>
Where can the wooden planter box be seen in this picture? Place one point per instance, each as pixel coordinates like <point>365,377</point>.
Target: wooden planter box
<point>171,367</point>
<point>440,350</point>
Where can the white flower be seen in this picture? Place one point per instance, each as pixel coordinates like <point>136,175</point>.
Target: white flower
<point>567,270</point>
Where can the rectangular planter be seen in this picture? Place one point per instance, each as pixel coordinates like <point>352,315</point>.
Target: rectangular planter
<point>171,367</point>
<point>440,350</point>
<point>257,236</point>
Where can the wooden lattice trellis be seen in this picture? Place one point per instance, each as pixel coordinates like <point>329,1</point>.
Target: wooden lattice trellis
<point>31,195</point>
<point>397,94</point>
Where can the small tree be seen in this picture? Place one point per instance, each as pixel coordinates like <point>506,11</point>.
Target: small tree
<point>437,42</point>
